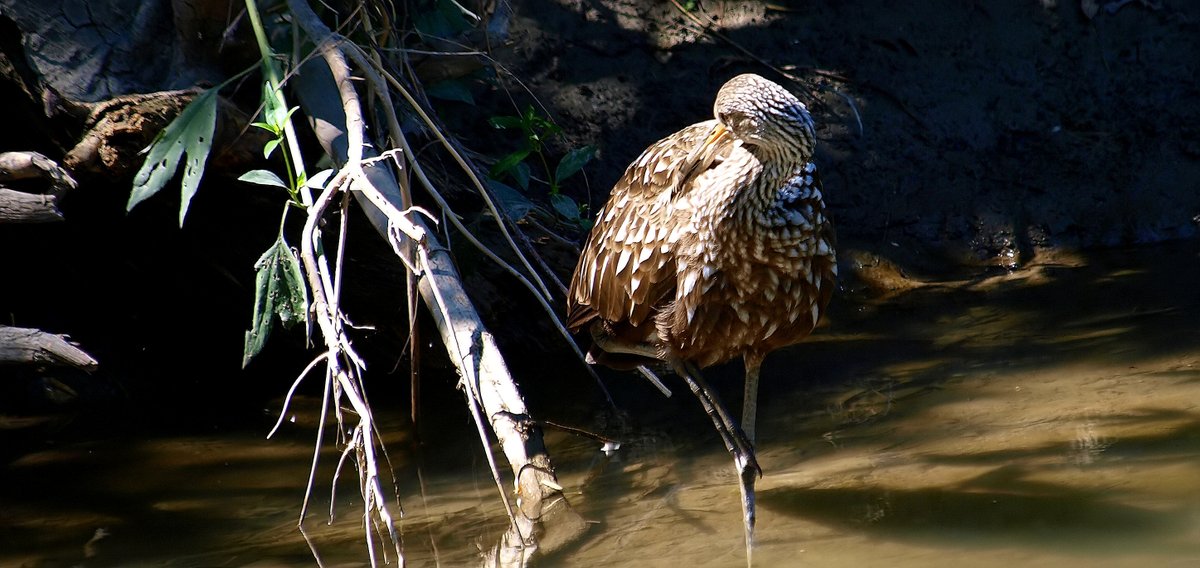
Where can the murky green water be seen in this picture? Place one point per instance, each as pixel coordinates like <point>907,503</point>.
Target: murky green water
<point>1049,417</point>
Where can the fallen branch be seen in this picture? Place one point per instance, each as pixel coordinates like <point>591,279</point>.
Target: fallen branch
<point>331,102</point>
<point>22,207</point>
<point>19,345</point>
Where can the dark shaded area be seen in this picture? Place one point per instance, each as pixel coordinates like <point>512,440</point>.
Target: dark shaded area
<point>1055,519</point>
<point>988,130</point>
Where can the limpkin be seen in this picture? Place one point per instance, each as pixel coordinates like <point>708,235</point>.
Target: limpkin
<point>714,244</point>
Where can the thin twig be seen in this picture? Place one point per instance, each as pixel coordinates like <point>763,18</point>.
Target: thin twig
<point>312,470</point>
<point>351,447</point>
<point>541,293</point>
<point>467,169</point>
<point>578,432</point>
<point>574,246</point>
<point>329,320</point>
<point>554,316</point>
<point>296,383</point>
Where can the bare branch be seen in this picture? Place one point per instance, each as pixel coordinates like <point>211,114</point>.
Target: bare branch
<point>31,346</point>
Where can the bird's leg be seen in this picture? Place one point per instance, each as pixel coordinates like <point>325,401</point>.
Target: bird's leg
<point>735,440</point>
<point>648,350</point>
<point>750,397</point>
<point>749,414</point>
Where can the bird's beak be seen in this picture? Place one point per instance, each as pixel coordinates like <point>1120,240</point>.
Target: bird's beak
<point>703,155</point>
<point>706,152</point>
<point>718,132</point>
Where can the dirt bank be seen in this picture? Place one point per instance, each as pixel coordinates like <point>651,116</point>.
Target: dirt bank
<point>987,129</point>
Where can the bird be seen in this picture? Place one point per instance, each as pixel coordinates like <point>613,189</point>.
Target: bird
<point>714,244</point>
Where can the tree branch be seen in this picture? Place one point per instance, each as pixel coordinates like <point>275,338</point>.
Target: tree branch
<point>19,345</point>
<point>472,349</point>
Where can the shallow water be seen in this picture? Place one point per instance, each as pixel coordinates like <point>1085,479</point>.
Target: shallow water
<point>1047,417</point>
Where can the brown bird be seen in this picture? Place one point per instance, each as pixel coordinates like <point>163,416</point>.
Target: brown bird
<point>714,245</point>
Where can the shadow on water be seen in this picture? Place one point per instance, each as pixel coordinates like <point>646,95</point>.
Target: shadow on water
<point>1056,518</point>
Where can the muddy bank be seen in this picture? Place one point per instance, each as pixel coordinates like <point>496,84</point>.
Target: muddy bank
<point>987,130</point>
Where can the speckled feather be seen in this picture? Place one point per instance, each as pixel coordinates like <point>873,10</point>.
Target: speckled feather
<point>712,245</point>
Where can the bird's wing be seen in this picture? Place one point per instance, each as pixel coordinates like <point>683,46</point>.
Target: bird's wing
<point>628,266</point>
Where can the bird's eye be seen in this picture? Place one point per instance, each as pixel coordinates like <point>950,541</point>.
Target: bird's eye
<point>732,118</point>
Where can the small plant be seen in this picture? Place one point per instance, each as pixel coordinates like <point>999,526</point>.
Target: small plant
<point>275,120</point>
<point>535,129</point>
<point>280,287</point>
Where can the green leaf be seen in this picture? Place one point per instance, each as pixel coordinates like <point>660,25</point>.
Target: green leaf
<point>507,163</point>
<point>279,290</point>
<point>522,174</point>
<point>262,177</point>
<point>515,205</point>
<point>504,122</point>
<point>540,123</point>
<point>273,113</point>
<point>319,179</point>
<point>444,20</point>
<point>453,13</point>
<point>573,162</point>
<point>270,147</point>
<point>191,132</point>
<point>451,90</point>
<point>565,206</point>
<point>548,128</point>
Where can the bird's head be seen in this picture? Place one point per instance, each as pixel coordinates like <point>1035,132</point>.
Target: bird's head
<point>765,117</point>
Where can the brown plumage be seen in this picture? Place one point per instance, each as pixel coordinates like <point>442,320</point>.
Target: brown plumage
<point>713,245</point>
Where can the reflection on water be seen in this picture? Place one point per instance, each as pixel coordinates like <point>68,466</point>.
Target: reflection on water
<point>1049,417</point>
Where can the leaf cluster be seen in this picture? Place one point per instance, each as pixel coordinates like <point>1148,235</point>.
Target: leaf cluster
<point>533,130</point>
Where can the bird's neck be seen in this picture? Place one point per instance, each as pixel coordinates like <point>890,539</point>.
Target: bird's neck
<point>786,193</point>
<point>775,172</point>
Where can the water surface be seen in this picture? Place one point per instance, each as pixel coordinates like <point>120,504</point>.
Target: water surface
<point>1044,417</point>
